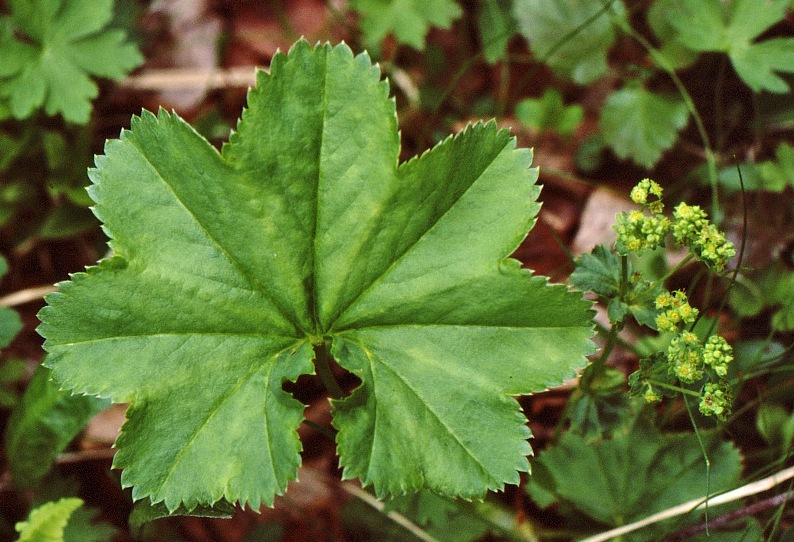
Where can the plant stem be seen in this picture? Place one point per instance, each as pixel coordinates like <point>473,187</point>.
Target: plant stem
<point>705,459</point>
<point>675,269</point>
<point>673,388</point>
<point>322,429</point>
<point>596,368</point>
<point>322,363</point>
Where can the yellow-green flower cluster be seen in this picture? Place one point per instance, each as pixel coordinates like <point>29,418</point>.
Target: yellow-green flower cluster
<point>715,400</point>
<point>691,228</point>
<point>638,231</point>
<point>676,311</point>
<point>639,194</point>
<point>685,354</point>
<point>718,354</point>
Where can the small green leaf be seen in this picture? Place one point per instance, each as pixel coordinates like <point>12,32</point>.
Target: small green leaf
<point>47,523</point>
<point>549,113</point>
<point>641,125</point>
<point>603,409</point>
<point>753,355</point>
<point>407,20</point>
<point>598,272</point>
<point>49,50</point>
<point>43,424</point>
<point>745,298</point>
<point>776,425</point>
<point>83,527</point>
<point>776,283</point>
<point>497,26</point>
<point>571,36</point>
<point>304,232</point>
<point>10,323</point>
<point>778,174</point>
<point>634,475</point>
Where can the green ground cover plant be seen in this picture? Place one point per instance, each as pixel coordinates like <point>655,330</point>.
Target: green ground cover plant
<point>306,259</point>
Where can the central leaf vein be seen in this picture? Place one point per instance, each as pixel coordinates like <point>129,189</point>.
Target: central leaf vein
<point>430,409</point>
<point>313,298</point>
<point>410,246</point>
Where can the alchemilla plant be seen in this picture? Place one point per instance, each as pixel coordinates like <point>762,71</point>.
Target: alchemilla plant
<point>690,364</point>
<point>304,241</point>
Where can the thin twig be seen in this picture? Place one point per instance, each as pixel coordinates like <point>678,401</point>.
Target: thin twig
<point>752,509</point>
<point>177,78</point>
<point>396,517</point>
<point>26,296</point>
<point>695,504</point>
<point>85,455</point>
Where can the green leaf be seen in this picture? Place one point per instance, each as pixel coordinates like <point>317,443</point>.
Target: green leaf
<point>641,125</point>
<point>598,272</point>
<point>776,425</point>
<point>497,27</point>
<point>83,527</point>
<point>776,283</point>
<point>603,408</point>
<point>731,27</point>
<point>407,20</point>
<point>66,220</point>
<point>50,48</point>
<point>549,113</point>
<point>571,36</point>
<point>674,52</point>
<point>47,523</point>
<point>754,355</point>
<point>778,174</point>
<point>231,268</point>
<point>12,371</point>
<point>634,475</point>
<point>43,424</point>
<point>10,323</point>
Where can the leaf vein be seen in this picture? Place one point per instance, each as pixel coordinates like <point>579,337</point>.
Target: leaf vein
<point>412,245</point>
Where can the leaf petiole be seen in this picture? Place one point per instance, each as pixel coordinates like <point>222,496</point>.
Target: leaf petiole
<point>673,388</point>
<point>322,364</point>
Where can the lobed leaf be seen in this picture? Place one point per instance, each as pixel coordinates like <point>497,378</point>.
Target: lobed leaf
<point>731,27</point>
<point>571,36</point>
<point>47,523</point>
<point>50,48</point>
<point>641,125</point>
<point>231,268</point>
<point>408,20</point>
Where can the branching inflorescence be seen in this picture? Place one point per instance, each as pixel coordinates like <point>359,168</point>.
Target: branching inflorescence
<point>689,359</point>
